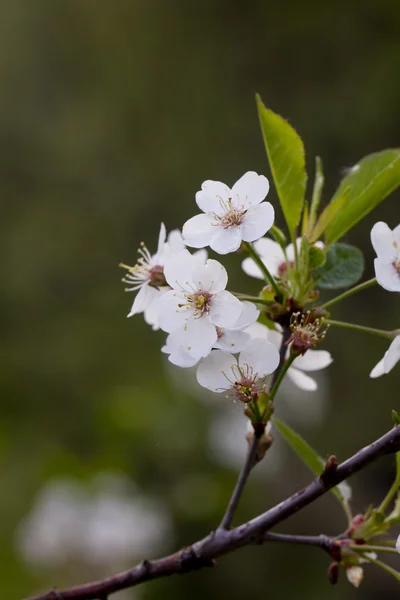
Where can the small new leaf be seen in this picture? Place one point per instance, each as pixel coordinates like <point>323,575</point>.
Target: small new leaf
<point>343,268</point>
<point>286,157</point>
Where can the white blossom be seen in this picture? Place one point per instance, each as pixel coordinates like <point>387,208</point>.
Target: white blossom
<point>147,275</point>
<point>355,575</point>
<point>274,258</point>
<point>391,357</point>
<point>197,303</point>
<point>398,544</point>
<point>232,340</point>
<point>230,215</point>
<point>243,377</point>
<point>313,360</point>
<point>386,244</point>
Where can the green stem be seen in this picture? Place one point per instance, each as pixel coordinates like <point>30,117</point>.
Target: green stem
<point>389,496</point>
<point>281,375</point>
<point>255,299</point>
<point>358,288</point>
<point>381,332</point>
<point>264,270</point>
<point>372,548</point>
<point>385,567</point>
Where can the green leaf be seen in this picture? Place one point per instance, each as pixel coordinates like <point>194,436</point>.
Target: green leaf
<point>308,456</point>
<point>317,257</point>
<point>317,190</point>
<point>344,266</point>
<point>369,182</point>
<point>287,162</point>
<point>327,215</point>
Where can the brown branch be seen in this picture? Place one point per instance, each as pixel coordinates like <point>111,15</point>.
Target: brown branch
<point>220,542</point>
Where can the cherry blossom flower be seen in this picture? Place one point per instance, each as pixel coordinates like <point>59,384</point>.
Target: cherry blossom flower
<point>313,360</point>
<point>391,357</point>
<point>197,303</point>
<point>230,215</point>
<point>232,340</point>
<point>243,377</point>
<point>386,244</point>
<point>274,258</point>
<point>147,276</point>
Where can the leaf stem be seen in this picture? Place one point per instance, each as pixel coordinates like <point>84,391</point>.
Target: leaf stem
<point>358,288</point>
<point>383,566</point>
<point>381,332</point>
<point>267,275</point>
<point>255,299</point>
<point>389,496</point>
<point>372,548</point>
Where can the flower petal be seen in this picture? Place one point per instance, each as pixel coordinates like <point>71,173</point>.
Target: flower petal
<point>197,337</point>
<point>162,236</point>
<point>313,360</point>
<point>249,315</point>
<point>382,241</point>
<point>387,275</point>
<point>226,240</point>
<point>232,341</point>
<point>213,371</point>
<point>270,253</point>
<point>250,189</point>
<point>392,355</point>
<point>198,231</point>
<point>211,277</point>
<point>258,330</point>
<point>257,221</point>
<point>143,298</point>
<point>301,380</point>
<point>261,355</point>
<point>211,194</point>
<point>177,355</point>
<point>178,269</point>
<point>378,370</point>
<point>225,309</point>
<point>172,315</point>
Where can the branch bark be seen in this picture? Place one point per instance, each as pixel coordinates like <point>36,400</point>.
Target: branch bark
<point>203,552</point>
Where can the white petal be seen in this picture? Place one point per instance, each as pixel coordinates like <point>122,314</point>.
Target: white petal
<point>226,240</point>
<point>152,310</point>
<point>175,241</point>
<point>211,277</point>
<point>250,189</point>
<point>213,371</point>
<point>257,221</point>
<point>382,240</point>
<point>197,337</point>
<point>252,269</point>
<point>161,240</point>
<point>198,231</point>
<point>387,275</point>
<point>270,253</point>
<point>171,315</point>
<point>396,238</point>
<point>225,309</point>
<point>392,355</point>
<point>378,370</point>
<point>313,360</point>
<point>178,269</point>
<point>232,341</point>
<point>177,355</point>
<point>211,194</point>
<point>261,355</point>
<point>345,490</point>
<point>301,380</point>
<point>398,544</point>
<point>200,257</point>
<point>249,315</point>
<point>258,330</point>
<point>143,298</point>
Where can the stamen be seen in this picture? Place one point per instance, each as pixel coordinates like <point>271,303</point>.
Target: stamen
<point>307,331</point>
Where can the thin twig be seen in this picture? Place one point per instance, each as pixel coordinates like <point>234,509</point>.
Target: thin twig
<point>322,541</point>
<point>248,465</point>
<point>220,542</point>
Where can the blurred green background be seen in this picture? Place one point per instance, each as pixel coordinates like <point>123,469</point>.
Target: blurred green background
<point>111,116</point>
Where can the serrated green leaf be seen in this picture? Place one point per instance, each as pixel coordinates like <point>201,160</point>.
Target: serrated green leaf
<point>286,157</point>
<point>344,266</point>
<point>306,454</point>
<point>369,182</point>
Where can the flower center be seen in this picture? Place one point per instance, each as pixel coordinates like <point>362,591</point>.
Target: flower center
<point>397,266</point>
<point>232,215</point>
<point>140,273</point>
<point>220,332</point>
<point>307,332</point>
<point>245,384</point>
<point>156,275</point>
<point>200,302</point>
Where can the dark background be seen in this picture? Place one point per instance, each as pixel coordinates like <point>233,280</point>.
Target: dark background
<point>111,116</point>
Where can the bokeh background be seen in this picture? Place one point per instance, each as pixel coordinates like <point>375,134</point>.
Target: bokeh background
<point>111,116</point>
